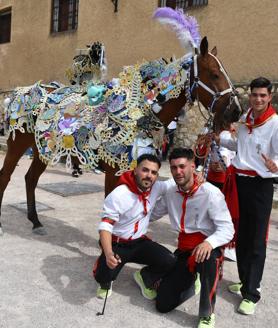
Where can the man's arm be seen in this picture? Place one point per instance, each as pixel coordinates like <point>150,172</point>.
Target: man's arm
<point>111,214</point>
<point>159,210</point>
<point>112,260</point>
<point>224,232</point>
<point>272,163</point>
<point>220,215</point>
<point>227,140</point>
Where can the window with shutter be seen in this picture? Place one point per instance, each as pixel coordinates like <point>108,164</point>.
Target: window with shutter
<point>5,25</point>
<point>184,4</point>
<point>64,15</point>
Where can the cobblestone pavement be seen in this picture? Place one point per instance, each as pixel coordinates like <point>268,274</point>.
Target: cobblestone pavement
<point>46,281</point>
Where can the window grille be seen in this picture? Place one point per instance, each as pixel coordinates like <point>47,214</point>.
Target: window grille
<point>5,25</point>
<point>184,4</point>
<point>64,15</point>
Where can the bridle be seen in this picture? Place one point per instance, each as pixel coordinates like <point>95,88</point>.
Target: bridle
<point>216,95</point>
<point>196,84</point>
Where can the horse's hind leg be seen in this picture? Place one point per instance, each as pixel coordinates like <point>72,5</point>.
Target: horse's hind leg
<point>31,178</point>
<point>16,149</point>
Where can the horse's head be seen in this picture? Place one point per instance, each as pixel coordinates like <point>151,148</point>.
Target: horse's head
<point>211,86</point>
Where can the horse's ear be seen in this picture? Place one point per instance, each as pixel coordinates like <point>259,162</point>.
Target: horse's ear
<point>204,46</point>
<point>214,51</point>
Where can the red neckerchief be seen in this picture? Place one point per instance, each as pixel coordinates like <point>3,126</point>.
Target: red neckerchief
<point>188,241</point>
<point>262,119</point>
<point>128,178</point>
<point>186,195</point>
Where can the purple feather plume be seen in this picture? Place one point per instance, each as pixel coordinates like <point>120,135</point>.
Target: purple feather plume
<point>184,25</point>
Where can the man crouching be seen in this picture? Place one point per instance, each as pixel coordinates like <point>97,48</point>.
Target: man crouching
<point>123,228</point>
<point>199,213</point>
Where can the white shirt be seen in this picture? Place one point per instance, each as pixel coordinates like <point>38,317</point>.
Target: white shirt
<point>250,146</point>
<point>206,212</point>
<point>125,208</point>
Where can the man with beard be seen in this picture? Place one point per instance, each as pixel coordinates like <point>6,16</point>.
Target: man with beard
<point>199,213</point>
<point>123,228</point>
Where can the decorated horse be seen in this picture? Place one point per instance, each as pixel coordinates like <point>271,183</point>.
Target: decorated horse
<point>105,125</point>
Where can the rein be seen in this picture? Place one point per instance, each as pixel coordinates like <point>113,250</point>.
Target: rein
<point>209,145</point>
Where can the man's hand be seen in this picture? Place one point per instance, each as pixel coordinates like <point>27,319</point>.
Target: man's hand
<point>202,251</point>
<point>112,260</point>
<point>270,164</point>
<point>216,138</point>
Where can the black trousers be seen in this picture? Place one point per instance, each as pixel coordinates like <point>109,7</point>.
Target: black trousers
<point>159,261</point>
<point>178,285</point>
<point>255,203</point>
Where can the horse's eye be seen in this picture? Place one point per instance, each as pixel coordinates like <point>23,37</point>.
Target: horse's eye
<point>214,76</point>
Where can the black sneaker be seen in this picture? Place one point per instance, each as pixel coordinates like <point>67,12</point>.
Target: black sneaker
<point>75,174</point>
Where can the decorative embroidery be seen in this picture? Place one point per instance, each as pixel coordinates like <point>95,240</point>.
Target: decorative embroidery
<point>107,123</point>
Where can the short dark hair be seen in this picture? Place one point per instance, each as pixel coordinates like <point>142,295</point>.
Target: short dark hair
<point>182,153</point>
<point>261,82</point>
<point>149,157</point>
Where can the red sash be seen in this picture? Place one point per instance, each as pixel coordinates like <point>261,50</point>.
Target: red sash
<point>117,239</point>
<point>128,178</point>
<point>187,242</point>
<point>231,195</point>
<point>216,176</point>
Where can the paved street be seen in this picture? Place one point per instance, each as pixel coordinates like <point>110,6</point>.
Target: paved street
<point>46,281</point>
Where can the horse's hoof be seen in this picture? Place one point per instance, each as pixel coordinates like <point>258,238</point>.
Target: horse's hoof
<point>1,232</point>
<point>39,231</point>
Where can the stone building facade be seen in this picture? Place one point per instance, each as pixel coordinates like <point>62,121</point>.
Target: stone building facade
<point>245,33</point>
<point>41,47</point>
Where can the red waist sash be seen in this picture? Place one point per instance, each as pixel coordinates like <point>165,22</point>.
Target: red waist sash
<point>230,192</point>
<point>117,239</point>
<point>187,242</point>
<point>216,176</point>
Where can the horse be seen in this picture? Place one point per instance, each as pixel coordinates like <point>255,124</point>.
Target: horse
<point>200,77</point>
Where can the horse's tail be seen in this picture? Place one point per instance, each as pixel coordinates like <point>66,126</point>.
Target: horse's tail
<point>185,26</point>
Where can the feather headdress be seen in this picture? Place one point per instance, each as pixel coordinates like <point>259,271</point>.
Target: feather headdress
<point>185,26</point>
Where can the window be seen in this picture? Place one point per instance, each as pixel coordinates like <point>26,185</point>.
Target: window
<point>184,4</point>
<point>5,25</point>
<point>64,15</point>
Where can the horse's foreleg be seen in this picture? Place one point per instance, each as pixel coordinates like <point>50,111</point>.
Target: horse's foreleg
<point>111,179</point>
<point>16,149</point>
<point>31,178</point>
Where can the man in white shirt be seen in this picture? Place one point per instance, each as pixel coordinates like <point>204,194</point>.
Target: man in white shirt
<point>200,215</point>
<point>123,228</point>
<point>249,189</point>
